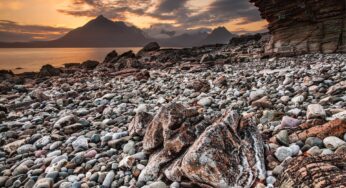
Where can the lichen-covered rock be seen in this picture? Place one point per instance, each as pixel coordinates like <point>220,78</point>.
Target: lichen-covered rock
<point>314,171</point>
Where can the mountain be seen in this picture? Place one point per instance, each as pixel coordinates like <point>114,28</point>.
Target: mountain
<point>102,32</point>
<point>219,35</point>
<point>99,32</point>
<point>184,40</point>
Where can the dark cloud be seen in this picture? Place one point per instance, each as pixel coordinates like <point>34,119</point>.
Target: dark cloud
<point>168,33</point>
<point>223,11</point>
<point>11,31</point>
<point>216,13</point>
<point>168,6</point>
<point>111,9</point>
<point>178,12</point>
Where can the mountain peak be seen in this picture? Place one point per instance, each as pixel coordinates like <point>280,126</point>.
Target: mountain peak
<point>221,29</point>
<point>219,35</point>
<point>101,17</point>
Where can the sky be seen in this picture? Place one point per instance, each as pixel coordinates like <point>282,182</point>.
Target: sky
<point>26,20</point>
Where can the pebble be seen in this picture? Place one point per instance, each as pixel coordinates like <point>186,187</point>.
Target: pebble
<point>314,141</point>
<point>205,101</point>
<point>158,184</point>
<point>81,143</point>
<point>42,142</point>
<point>326,152</point>
<point>289,122</point>
<point>315,111</point>
<point>109,179</point>
<point>21,169</point>
<point>295,149</point>
<point>314,151</point>
<point>282,153</point>
<point>282,137</point>
<point>270,180</point>
<point>333,142</point>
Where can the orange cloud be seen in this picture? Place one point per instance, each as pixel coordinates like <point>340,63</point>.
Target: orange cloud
<point>241,26</point>
<point>12,5</point>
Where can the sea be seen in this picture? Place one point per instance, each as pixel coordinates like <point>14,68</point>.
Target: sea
<point>21,60</point>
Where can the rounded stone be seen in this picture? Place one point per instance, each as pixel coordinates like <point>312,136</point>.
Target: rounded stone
<point>282,153</point>
<point>314,141</point>
<point>333,142</point>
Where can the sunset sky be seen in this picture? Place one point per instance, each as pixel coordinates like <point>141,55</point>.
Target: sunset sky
<point>25,20</point>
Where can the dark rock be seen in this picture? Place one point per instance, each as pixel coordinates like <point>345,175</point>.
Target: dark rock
<point>90,64</point>
<point>243,39</point>
<point>6,74</point>
<point>153,46</point>
<point>110,57</point>
<point>49,70</point>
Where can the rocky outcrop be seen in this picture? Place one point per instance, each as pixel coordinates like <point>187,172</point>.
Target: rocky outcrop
<point>309,26</point>
<point>110,56</point>
<point>316,171</point>
<point>49,70</point>
<point>90,64</point>
<point>185,146</point>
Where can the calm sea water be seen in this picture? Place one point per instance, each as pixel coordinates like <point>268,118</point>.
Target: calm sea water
<point>32,59</point>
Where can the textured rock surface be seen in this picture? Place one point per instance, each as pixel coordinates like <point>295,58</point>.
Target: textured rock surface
<point>305,26</point>
<point>336,127</point>
<point>315,171</point>
<point>228,153</point>
<point>139,123</point>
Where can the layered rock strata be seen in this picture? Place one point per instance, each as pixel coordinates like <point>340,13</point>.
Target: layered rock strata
<point>308,26</point>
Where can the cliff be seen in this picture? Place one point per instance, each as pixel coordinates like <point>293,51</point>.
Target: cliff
<point>308,26</point>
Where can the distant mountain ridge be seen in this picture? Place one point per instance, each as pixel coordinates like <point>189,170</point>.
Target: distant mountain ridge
<point>219,35</point>
<point>102,32</point>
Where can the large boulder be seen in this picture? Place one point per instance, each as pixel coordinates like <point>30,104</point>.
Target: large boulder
<point>6,74</point>
<point>152,46</point>
<point>110,56</point>
<point>89,64</point>
<point>185,146</point>
<point>49,70</point>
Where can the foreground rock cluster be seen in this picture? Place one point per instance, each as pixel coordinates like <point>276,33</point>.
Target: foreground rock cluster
<point>217,116</point>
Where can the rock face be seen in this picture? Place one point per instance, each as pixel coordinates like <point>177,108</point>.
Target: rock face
<point>316,171</point>
<point>226,153</point>
<point>304,26</point>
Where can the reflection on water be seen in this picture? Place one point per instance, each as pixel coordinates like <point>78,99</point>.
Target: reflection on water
<point>32,59</point>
